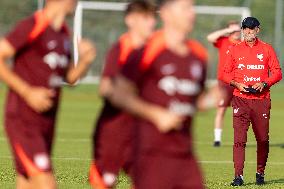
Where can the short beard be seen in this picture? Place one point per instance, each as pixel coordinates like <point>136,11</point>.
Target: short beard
<point>250,39</point>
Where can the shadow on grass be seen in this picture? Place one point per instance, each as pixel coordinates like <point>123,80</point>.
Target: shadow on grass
<point>269,182</point>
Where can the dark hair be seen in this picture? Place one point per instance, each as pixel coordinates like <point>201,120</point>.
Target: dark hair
<point>160,3</point>
<point>140,6</point>
<point>250,22</point>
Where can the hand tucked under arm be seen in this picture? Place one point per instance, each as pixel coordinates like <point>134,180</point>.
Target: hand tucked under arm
<point>38,98</point>
<point>87,54</point>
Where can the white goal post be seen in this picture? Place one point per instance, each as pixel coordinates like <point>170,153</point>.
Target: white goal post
<point>243,12</point>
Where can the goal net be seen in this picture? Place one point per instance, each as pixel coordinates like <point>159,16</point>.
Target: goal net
<point>103,23</point>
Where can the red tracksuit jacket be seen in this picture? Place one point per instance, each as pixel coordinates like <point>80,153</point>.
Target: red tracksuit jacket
<point>250,65</point>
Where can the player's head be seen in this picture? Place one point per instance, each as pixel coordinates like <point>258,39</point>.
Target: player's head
<point>237,29</point>
<point>178,14</point>
<point>250,28</point>
<point>66,6</point>
<point>140,17</point>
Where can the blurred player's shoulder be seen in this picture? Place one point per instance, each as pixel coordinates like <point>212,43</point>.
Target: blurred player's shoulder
<point>155,45</point>
<point>156,42</point>
<point>33,25</point>
<point>114,45</point>
<point>125,45</point>
<point>121,49</point>
<point>28,21</point>
<point>113,49</point>
<point>123,41</point>
<point>198,50</point>
<point>41,22</point>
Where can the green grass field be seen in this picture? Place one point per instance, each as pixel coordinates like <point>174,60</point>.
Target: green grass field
<point>72,150</point>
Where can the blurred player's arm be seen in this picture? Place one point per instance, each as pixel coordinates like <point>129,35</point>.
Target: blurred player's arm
<point>210,98</point>
<point>87,54</point>
<point>38,98</point>
<point>125,96</point>
<point>111,68</point>
<point>105,86</point>
<point>214,36</point>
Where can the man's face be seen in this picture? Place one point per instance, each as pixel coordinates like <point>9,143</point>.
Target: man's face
<point>142,23</point>
<point>250,34</point>
<point>179,14</point>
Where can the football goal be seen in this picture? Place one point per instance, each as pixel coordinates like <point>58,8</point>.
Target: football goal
<point>103,23</point>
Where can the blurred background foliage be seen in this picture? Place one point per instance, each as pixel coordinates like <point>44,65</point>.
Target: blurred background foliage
<point>105,26</point>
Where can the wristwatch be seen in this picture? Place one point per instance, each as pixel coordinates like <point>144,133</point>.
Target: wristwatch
<point>265,85</point>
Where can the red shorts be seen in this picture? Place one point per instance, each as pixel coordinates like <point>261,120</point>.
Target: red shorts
<point>113,144</point>
<point>31,143</point>
<point>162,171</point>
<point>227,91</point>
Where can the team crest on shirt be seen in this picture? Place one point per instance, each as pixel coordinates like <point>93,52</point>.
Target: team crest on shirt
<point>260,57</point>
<point>196,70</point>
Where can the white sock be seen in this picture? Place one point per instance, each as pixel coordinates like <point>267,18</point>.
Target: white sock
<point>217,134</point>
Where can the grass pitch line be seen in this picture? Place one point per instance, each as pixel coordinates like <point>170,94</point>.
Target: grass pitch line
<point>225,144</point>
<point>202,162</point>
<point>231,162</point>
<point>62,139</point>
<point>56,158</point>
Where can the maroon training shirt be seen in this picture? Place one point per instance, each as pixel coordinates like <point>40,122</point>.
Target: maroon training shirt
<point>42,58</point>
<point>116,57</point>
<point>171,81</point>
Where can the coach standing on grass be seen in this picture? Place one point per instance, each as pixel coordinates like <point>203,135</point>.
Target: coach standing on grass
<point>252,68</point>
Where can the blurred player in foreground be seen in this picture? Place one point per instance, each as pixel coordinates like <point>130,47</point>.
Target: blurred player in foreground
<point>223,39</point>
<point>114,128</point>
<point>161,84</point>
<point>252,68</point>
<point>41,48</point>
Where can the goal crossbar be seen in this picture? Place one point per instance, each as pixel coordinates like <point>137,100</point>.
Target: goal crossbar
<point>116,6</point>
